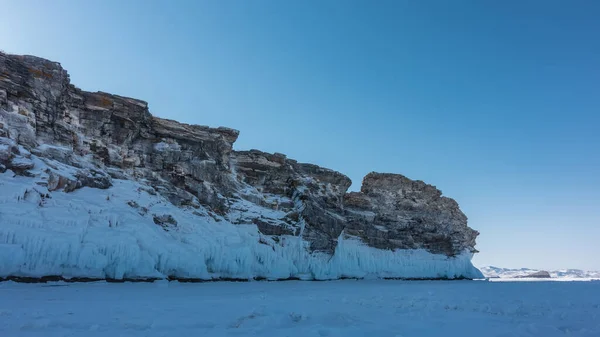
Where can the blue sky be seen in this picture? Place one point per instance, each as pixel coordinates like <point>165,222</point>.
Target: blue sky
<point>495,103</point>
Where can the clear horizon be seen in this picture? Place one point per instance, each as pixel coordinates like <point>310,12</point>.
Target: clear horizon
<point>496,104</point>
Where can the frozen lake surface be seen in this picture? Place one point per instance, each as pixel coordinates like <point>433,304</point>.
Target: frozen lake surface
<point>294,308</point>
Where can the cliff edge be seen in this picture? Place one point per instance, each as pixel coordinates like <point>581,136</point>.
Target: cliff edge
<point>92,185</point>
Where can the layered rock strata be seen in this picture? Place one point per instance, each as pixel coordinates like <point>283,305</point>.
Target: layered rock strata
<point>98,138</point>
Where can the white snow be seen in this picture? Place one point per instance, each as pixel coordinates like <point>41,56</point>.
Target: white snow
<point>4,148</point>
<point>302,309</point>
<point>111,234</point>
<point>506,274</point>
<point>20,161</point>
<point>244,210</point>
<point>535,279</point>
<point>164,146</point>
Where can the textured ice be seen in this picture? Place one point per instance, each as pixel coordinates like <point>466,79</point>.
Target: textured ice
<point>112,234</point>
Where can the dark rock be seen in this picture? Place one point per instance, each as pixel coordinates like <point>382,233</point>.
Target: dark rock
<point>268,228</point>
<point>166,221</point>
<point>392,211</point>
<point>82,178</point>
<point>539,274</point>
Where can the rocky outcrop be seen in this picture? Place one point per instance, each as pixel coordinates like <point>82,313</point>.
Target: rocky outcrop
<point>538,274</point>
<point>100,137</point>
<point>392,211</point>
<point>14,157</point>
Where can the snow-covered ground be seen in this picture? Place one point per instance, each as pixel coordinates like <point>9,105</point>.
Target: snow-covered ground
<point>294,308</point>
<point>536,279</point>
<point>558,275</point>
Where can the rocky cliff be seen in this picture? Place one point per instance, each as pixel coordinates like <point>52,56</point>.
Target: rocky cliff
<point>64,140</point>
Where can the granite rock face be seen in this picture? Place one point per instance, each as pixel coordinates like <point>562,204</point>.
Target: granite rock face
<point>101,137</point>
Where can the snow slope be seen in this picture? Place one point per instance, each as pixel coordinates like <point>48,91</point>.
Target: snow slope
<point>302,309</point>
<point>130,231</point>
